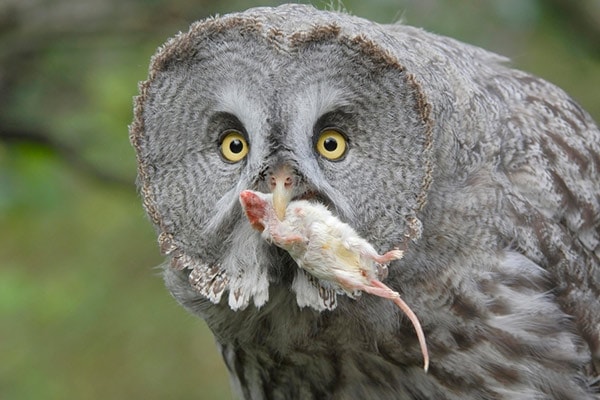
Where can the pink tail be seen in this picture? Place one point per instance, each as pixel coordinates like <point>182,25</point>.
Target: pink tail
<point>381,290</point>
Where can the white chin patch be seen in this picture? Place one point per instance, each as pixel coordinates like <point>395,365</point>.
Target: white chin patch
<point>243,272</point>
<point>317,294</point>
<point>246,264</point>
<point>309,293</point>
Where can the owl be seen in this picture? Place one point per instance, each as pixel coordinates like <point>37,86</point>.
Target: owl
<point>485,177</point>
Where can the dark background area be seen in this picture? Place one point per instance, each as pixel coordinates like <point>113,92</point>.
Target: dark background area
<point>83,311</point>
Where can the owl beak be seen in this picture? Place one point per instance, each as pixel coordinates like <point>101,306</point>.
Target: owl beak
<point>282,187</point>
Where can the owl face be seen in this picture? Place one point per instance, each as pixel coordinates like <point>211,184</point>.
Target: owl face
<point>314,114</point>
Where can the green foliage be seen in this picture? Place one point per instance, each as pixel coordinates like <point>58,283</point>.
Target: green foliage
<point>83,312</point>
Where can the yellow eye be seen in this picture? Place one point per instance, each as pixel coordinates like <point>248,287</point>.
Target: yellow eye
<point>233,146</point>
<point>331,144</point>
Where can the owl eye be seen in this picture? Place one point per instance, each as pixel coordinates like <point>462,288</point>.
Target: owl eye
<point>233,146</point>
<point>331,144</point>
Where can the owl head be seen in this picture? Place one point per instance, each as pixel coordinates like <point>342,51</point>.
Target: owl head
<point>303,103</point>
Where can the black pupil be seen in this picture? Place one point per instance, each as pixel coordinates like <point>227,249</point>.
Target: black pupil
<point>330,144</point>
<point>236,146</point>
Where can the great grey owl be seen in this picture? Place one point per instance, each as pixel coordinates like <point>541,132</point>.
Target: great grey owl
<point>486,177</point>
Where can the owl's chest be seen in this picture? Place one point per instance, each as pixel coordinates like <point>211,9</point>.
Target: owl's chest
<point>287,353</point>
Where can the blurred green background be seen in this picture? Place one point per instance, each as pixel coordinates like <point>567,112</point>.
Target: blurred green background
<point>83,312</point>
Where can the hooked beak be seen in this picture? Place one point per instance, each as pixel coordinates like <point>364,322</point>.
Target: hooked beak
<point>282,187</point>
